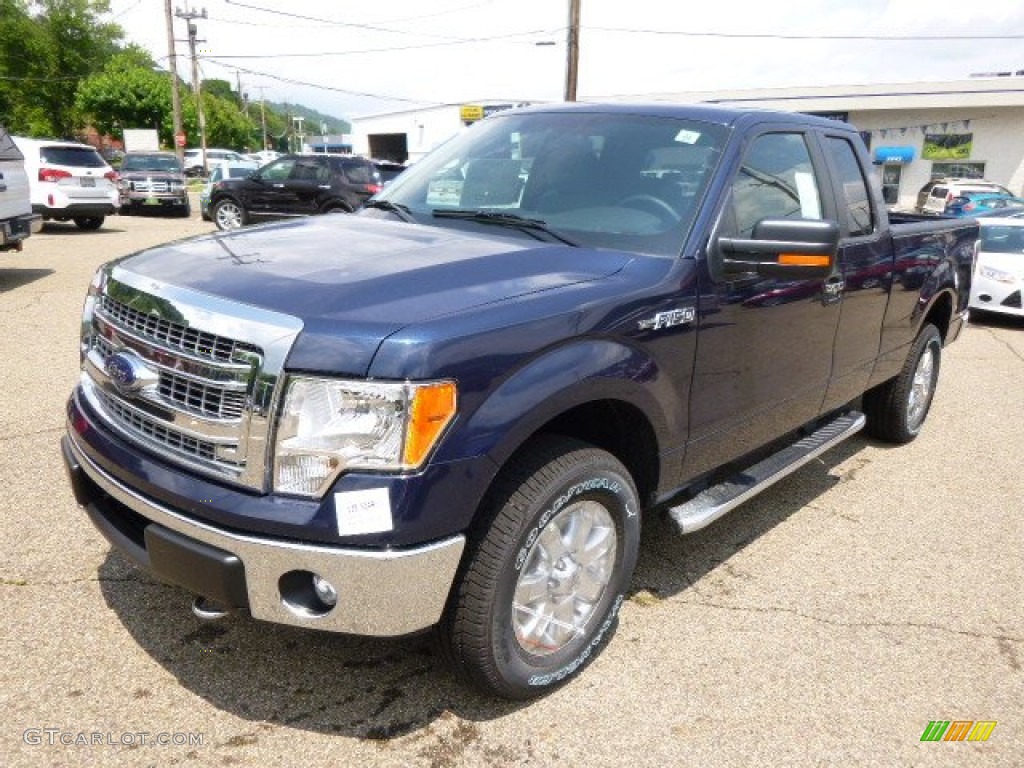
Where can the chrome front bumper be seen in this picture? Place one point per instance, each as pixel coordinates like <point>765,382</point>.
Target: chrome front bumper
<point>380,593</point>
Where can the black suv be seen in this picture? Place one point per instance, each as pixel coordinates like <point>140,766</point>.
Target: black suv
<point>294,185</point>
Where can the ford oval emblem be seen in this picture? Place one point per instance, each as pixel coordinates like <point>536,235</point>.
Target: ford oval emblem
<point>128,373</point>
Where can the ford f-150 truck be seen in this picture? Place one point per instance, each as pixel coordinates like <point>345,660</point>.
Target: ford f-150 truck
<point>454,409</point>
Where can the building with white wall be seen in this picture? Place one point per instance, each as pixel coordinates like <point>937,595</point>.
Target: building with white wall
<point>914,131</point>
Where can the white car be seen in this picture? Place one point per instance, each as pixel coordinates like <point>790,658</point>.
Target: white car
<point>193,160</point>
<point>69,181</point>
<point>999,273</point>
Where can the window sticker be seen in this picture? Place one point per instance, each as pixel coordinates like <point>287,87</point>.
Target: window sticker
<point>445,192</point>
<point>810,205</point>
<point>367,511</point>
<point>687,137</point>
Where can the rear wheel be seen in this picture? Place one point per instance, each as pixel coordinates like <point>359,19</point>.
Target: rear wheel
<point>546,570</point>
<point>227,214</point>
<point>89,222</point>
<point>896,410</point>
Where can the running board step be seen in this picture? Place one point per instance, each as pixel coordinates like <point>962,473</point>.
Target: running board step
<point>711,503</point>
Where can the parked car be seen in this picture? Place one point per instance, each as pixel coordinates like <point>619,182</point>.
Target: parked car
<point>225,170</point>
<point>17,222</point>
<point>153,181</point>
<point>938,193</point>
<point>294,185</point>
<point>999,273</point>
<point>264,156</point>
<point>193,159</point>
<point>973,203</point>
<point>69,181</point>
<point>387,170</point>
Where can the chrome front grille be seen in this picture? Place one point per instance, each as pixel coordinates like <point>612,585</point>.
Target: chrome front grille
<point>150,429</point>
<point>159,367</point>
<point>150,186</point>
<point>175,335</point>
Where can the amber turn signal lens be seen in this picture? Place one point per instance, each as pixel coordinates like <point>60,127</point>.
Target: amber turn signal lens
<point>432,408</point>
<point>801,260</point>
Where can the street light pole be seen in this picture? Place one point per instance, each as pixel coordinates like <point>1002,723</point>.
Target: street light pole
<point>572,50</point>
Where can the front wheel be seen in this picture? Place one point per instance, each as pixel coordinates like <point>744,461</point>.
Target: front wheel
<point>227,214</point>
<point>896,410</point>
<point>89,223</point>
<point>546,570</point>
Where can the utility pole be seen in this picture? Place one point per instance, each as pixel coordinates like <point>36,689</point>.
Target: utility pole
<point>572,51</point>
<point>189,15</point>
<point>179,150</point>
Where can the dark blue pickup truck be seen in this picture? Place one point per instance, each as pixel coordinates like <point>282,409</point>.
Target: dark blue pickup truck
<point>454,409</point>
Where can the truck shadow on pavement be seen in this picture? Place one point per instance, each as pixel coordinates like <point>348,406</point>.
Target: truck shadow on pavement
<point>381,689</point>
<point>16,278</point>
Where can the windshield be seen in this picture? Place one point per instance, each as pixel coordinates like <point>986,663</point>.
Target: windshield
<point>166,163</point>
<point>629,182</point>
<point>996,239</point>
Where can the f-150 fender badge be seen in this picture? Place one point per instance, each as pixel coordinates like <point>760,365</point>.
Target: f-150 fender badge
<point>669,319</point>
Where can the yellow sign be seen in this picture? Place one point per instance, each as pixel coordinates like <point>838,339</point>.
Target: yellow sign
<point>471,112</point>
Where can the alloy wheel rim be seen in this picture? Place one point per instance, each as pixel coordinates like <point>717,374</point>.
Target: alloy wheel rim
<point>566,573</point>
<point>921,388</point>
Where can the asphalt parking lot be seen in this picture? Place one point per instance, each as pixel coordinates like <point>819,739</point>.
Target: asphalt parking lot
<point>826,622</point>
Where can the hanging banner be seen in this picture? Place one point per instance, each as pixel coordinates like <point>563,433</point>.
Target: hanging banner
<point>947,146</point>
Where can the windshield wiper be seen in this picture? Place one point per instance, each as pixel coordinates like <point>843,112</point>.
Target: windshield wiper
<point>401,211</point>
<point>530,226</point>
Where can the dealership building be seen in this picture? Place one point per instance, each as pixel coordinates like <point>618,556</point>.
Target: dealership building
<point>914,131</point>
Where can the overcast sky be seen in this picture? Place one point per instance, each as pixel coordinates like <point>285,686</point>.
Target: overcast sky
<point>362,58</point>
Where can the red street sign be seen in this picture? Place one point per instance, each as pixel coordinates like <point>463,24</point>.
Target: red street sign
<point>179,139</point>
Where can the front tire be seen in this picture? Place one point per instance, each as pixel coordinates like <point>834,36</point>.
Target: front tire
<point>546,570</point>
<point>896,410</point>
<point>228,214</point>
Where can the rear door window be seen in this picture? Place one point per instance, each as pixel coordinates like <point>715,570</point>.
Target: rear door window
<point>851,188</point>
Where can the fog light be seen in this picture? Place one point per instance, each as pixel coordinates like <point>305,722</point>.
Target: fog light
<point>325,591</point>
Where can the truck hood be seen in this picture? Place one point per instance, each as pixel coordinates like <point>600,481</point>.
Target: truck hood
<point>354,281</point>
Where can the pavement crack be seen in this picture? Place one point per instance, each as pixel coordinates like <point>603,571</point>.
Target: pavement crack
<point>1003,640</point>
<point>1006,344</point>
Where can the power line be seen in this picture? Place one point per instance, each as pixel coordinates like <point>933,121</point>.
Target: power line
<point>319,86</point>
<point>334,22</point>
<point>779,36</point>
<point>302,54</point>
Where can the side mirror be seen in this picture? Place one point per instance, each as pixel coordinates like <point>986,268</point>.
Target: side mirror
<point>793,249</point>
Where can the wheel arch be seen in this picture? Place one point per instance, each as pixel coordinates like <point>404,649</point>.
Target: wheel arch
<point>604,393</point>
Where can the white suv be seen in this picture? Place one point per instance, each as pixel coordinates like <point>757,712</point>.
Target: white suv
<point>69,181</point>
<point>938,193</point>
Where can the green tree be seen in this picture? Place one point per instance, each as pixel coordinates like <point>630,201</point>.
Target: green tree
<point>22,69</point>
<point>76,44</point>
<point>128,93</point>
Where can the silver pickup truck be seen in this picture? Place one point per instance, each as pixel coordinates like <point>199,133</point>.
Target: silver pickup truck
<point>17,221</point>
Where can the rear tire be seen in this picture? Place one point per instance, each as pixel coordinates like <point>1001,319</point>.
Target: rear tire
<point>546,570</point>
<point>896,410</point>
<point>89,223</point>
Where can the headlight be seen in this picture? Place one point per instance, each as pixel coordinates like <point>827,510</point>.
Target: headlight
<point>327,426</point>
<point>998,275</point>
<point>88,309</point>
